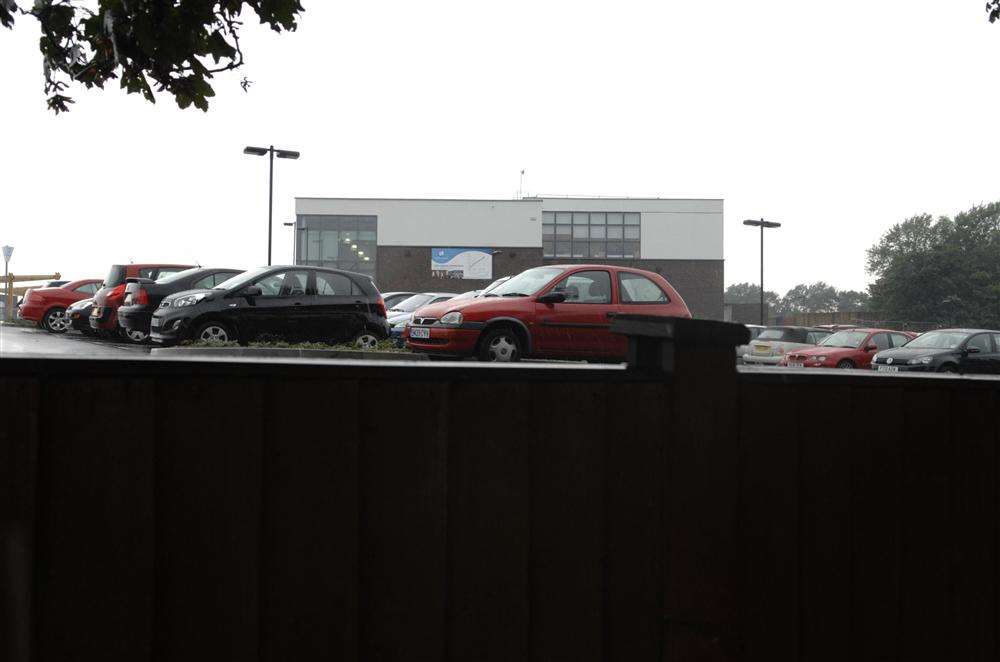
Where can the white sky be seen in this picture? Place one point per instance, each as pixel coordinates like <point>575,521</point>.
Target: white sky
<point>837,119</point>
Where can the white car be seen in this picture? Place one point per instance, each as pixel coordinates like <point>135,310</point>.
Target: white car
<point>754,330</point>
<point>774,342</point>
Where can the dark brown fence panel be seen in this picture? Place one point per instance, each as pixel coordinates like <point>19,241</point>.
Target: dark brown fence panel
<point>18,480</point>
<point>637,425</point>
<point>569,522</point>
<point>93,527</point>
<point>974,522</point>
<point>769,523</point>
<point>309,537</point>
<point>208,514</point>
<point>491,434</point>
<point>402,479</point>
<point>824,522</point>
<point>875,536</point>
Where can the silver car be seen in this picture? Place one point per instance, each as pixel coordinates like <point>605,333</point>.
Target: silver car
<point>754,330</point>
<point>774,342</point>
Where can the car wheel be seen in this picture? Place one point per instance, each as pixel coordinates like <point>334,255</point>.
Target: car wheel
<point>214,332</point>
<point>365,340</point>
<point>56,321</point>
<point>135,336</point>
<point>845,365</point>
<point>500,345</point>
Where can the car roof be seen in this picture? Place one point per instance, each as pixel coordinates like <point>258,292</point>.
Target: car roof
<point>807,328</point>
<point>440,294</point>
<point>965,330</point>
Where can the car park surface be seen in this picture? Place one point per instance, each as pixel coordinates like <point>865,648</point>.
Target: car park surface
<point>969,351</point>
<point>847,349</point>
<point>294,303</point>
<point>558,311</point>
<point>47,306</point>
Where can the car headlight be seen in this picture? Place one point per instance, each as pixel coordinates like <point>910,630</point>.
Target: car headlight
<point>189,300</point>
<point>921,360</point>
<point>454,317</point>
<point>819,359</point>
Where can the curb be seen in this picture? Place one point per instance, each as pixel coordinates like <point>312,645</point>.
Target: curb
<point>285,353</point>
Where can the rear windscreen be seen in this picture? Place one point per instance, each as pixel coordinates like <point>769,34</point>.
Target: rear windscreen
<point>773,334</point>
<point>115,277</point>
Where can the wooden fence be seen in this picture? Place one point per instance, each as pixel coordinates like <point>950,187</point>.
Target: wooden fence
<point>156,510</point>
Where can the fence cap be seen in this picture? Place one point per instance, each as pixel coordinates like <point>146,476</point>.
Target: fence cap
<point>682,331</point>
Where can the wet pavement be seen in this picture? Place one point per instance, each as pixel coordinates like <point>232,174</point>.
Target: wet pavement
<point>16,341</point>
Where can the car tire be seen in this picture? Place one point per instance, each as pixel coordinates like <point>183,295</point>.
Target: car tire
<point>213,332</point>
<point>135,337</point>
<point>365,340</point>
<point>846,365</point>
<point>55,320</point>
<point>500,345</point>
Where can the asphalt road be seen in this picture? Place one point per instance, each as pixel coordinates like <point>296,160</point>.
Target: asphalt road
<point>25,341</point>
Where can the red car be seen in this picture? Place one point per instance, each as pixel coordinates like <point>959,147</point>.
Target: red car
<point>107,301</point>
<point>545,312</point>
<point>46,306</point>
<point>849,348</point>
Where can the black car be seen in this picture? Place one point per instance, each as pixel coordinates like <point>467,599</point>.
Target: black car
<point>944,350</point>
<point>293,303</point>
<point>143,295</point>
<point>79,316</point>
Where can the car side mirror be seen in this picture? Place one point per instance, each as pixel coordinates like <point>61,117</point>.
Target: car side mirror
<point>972,350</point>
<point>552,297</point>
<point>871,348</point>
<point>252,291</point>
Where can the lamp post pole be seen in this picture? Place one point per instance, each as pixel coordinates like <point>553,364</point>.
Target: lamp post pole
<point>281,154</point>
<point>8,293</point>
<point>762,224</point>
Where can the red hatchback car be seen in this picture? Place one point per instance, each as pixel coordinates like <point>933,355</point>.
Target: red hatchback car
<point>46,306</point>
<point>849,348</point>
<point>545,312</point>
<point>107,301</point>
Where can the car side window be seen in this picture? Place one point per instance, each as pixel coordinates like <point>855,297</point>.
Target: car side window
<point>205,283</point>
<point>283,284</point>
<point>332,285</point>
<point>586,287</point>
<point>981,341</point>
<point>147,272</point>
<point>89,288</point>
<point>898,339</point>
<point>996,341</point>
<point>813,337</point>
<point>881,341</point>
<point>634,288</point>
<point>223,276</point>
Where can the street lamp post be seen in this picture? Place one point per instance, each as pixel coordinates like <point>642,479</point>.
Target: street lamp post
<point>281,154</point>
<point>762,224</point>
<point>8,293</point>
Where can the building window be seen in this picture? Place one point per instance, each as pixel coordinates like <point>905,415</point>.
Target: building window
<point>604,235</point>
<point>338,241</point>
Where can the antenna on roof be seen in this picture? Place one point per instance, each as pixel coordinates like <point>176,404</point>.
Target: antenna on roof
<point>520,186</point>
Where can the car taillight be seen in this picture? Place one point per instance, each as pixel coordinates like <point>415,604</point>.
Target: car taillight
<point>381,306</point>
<point>140,298</point>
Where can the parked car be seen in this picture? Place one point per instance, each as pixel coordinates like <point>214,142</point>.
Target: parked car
<point>46,306</point>
<point>104,315</point>
<point>849,348</point>
<point>754,330</point>
<point>401,315</point>
<point>945,350</point>
<point>558,311</point>
<point>295,303</point>
<point>143,296</point>
<point>392,298</point>
<point>79,316</point>
<point>774,342</point>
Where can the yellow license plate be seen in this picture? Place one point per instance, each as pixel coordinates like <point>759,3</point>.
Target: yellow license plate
<point>762,349</point>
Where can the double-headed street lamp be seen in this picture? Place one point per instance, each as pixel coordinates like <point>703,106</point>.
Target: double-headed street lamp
<point>281,154</point>
<point>762,224</point>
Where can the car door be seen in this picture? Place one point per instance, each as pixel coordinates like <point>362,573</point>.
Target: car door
<point>637,295</point>
<point>280,311</point>
<point>336,308</point>
<point>580,325</point>
<point>978,354</point>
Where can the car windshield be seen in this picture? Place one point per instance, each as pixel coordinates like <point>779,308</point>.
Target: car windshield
<point>938,340</point>
<point>411,304</point>
<point>848,339</point>
<point>115,277</point>
<point>527,282</point>
<point>242,279</point>
<point>170,278</point>
<point>492,286</point>
<point>772,334</point>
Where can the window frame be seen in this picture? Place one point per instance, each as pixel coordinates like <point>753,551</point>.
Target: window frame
<point>561,227</point>
<point>566,277</point>
<point>621,289</point>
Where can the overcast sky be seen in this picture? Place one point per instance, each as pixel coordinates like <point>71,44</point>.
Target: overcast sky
<point>836,119</point>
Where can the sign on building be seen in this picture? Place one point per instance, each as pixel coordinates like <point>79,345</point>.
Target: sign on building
<point>462,263</point>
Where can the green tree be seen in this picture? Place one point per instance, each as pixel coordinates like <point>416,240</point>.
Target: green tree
<point>944,272</point>
<point>852,300</point>
<point>750,293</point>
<point>174,45</point>
<point>816,298</point>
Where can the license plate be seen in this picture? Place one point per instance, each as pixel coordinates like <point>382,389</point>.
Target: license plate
<point>888,368</point>
<point>155,321</point>
<point>419,333</point>
<point>796,365</point>
<point>762,349</point>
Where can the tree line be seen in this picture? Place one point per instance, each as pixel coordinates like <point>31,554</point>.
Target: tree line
<point>818,297</point>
